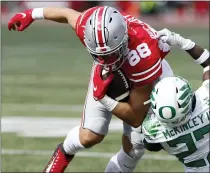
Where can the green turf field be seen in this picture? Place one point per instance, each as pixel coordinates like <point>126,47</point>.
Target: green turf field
<point>48,66</point>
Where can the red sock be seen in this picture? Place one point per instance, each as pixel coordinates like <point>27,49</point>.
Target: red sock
<point>59,161</point>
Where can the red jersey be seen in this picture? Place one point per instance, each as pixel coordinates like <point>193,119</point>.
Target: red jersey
<point>143,64</point>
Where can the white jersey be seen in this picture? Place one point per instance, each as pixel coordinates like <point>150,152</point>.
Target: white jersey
<point>189,142</point>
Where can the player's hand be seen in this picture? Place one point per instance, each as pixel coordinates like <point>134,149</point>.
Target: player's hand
<point>174,39</point>
<point>167,37</point>
<point>21,20</point>
<point>100,85</point>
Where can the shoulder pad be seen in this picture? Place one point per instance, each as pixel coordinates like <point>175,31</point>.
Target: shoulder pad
<point>151,126</point>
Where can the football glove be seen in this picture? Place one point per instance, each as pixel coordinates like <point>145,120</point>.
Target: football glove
<point>21,20</point>
<point>174,39</point>
<point>100,85</point>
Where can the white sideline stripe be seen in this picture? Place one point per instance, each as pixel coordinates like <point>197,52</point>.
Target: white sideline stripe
<point>42,107</point>
<point>82,154</point>
<point>46,126</point>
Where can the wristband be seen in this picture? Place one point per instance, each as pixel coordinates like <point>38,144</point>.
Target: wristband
<point>37,13</point>
<point>206,69</point>
<point>108,102</point>
<point>204,56</point>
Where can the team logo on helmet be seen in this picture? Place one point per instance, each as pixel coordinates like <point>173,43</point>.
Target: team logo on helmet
<point>172,110</point>
<point>172,105</point>
<point>106,37</point>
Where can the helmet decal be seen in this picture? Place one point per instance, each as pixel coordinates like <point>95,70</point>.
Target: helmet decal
<point>187,91</point>
<point>186,97</point>
<point>187,109</point>
<point>172,109</point>
<point>106,37</point>
<point>185,103</point>
<point>171,100</point>
<point>100,26</point>
<point>153,98</point>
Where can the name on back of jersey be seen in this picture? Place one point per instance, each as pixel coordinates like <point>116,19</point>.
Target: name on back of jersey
<point>193,124</point>
<point>152,33</point>
<point>157,133</point>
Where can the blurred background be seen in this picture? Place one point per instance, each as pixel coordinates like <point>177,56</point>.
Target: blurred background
<point>170,11</point>
<point>45,74</point>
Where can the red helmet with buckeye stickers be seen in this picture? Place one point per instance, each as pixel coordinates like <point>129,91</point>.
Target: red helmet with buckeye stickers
<point>106,37</point>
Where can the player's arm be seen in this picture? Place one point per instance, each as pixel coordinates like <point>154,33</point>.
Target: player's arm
<point>61,15</point>
<point>199,54</point>
<point>134,111</point>
<point>152,146</point>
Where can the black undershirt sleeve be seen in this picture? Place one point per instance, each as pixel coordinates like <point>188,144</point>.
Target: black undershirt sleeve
<point>152,146</point>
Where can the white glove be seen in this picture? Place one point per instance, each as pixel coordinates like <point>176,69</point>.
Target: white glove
<point>174,39</point>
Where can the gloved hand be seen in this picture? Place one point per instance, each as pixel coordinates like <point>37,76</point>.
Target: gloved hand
<point>174,39</point>
<point>100,85</point>
<point>21,20</point>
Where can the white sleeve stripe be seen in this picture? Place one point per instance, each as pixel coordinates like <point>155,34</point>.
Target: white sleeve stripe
<point>147,77</point>
<point>148,70</point>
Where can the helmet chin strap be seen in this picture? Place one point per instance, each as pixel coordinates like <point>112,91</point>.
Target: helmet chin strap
<point>114,66</point>
<point>123,55</point>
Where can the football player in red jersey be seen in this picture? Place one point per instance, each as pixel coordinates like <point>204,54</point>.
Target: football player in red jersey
<point>115,40</point>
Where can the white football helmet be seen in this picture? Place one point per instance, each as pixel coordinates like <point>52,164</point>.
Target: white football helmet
<point>106,37</point>
<point>171,100</point>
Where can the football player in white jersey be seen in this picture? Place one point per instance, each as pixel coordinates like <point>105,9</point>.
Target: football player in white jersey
<point>179,122</point>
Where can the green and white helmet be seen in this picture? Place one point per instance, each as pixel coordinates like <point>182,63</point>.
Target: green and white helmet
<point>171,100</point>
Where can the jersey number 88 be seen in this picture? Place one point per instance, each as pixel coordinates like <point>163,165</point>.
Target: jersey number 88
<point>142,51</point>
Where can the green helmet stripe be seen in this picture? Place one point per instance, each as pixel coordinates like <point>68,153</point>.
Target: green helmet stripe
<point>186,101</point>
<point>184,87</point>
<point>185,94</point>
<point>187,109</point>
<point>152,97</point>
<point>153,90</point>
<point>153,106</point>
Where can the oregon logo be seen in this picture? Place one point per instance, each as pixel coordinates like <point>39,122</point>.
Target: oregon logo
<point>172,109</point>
